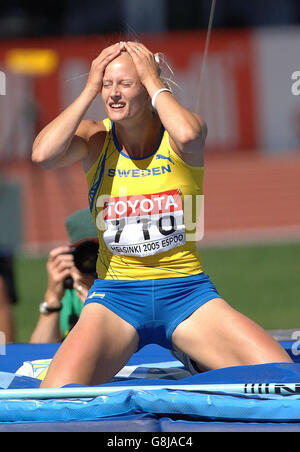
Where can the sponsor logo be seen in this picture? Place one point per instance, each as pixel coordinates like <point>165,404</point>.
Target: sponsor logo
<point>169,211</point>
<point>140,205</point>
<point>95,294</point>
<point>164,157</point>
<point>272,388</point>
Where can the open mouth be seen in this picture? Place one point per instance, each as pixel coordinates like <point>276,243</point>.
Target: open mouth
<point>117,105</point>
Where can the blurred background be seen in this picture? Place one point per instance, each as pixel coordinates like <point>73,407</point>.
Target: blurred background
<point>248,98</point>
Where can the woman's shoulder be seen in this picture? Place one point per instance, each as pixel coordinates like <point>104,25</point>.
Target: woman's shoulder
<point>89,127</point>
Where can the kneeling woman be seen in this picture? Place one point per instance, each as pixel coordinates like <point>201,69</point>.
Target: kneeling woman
<point>142,163</point>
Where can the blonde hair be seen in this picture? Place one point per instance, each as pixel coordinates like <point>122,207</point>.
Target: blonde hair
<point>164,67</point>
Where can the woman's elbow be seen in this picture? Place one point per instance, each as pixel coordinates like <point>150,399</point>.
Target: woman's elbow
<point>192,135</point>
<point>189,137</point>
<point>38,158</point>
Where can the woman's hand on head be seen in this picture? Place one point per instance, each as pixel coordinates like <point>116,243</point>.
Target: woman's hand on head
<point>146,66</point>
<point>95,79</point>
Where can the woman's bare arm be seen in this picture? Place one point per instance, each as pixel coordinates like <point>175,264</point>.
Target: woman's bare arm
<point>64,140</point>
<point>187,130</point>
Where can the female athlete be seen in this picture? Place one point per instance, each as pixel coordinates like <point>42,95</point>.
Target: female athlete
<point>142,163</point>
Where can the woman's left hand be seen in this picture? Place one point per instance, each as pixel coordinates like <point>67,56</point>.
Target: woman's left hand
<point>144,60</point>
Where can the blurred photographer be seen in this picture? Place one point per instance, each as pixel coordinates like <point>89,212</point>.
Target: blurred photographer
<point>71,272</point>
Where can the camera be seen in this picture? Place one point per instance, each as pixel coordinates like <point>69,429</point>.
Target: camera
<point>85,259</point>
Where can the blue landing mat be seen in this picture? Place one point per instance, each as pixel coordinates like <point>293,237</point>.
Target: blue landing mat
<point>165,410</point>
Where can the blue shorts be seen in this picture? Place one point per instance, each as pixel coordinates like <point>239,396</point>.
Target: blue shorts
<point>154,307</point>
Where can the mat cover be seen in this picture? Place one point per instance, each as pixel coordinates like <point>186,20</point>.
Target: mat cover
<point>156,364</point>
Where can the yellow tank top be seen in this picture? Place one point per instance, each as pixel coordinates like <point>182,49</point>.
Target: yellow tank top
<point>145,211</point>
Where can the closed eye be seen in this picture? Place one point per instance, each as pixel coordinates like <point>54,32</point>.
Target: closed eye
<point>126,83</point>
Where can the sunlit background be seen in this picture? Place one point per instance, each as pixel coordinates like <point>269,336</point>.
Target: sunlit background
<point>250,100</point>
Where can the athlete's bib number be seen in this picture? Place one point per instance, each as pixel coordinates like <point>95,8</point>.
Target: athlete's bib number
<point>144,225</point>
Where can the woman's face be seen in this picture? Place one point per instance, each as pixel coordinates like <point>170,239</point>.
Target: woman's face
<point>123,94</point>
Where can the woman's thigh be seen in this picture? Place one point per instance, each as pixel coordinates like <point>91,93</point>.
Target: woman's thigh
<point>216,336</point>
<point>94,351</point>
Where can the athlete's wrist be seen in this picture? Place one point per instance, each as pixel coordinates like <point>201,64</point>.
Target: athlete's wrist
<point>45,309</point>
<point>52,300</point>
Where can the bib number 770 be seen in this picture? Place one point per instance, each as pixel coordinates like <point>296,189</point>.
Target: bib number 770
<point>144,225</point>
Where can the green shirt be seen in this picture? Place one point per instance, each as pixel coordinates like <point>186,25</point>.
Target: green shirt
<point>70,312</point>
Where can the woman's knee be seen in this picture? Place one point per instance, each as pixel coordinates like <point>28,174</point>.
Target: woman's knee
<point>97,347</point>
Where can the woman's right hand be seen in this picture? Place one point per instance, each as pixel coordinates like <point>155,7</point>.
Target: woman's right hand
<point>95,79</point>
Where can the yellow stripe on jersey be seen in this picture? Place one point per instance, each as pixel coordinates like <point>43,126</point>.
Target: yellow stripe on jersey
<point>145,212</point>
